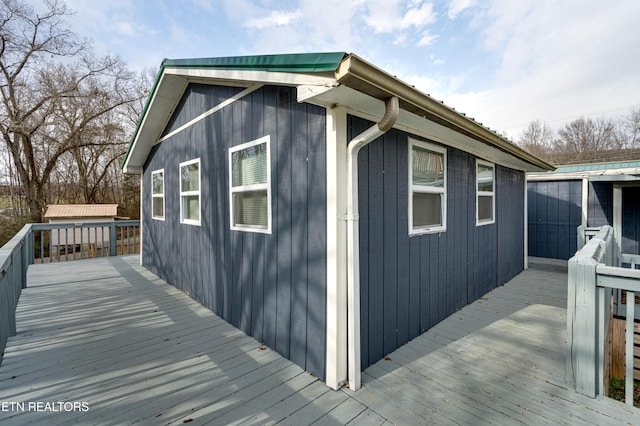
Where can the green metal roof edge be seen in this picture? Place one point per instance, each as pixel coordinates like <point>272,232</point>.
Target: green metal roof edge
<point>144,113</point>
<point>295,62</point>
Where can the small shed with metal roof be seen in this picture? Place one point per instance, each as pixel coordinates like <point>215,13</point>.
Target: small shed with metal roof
<point>322,205</point>
<point>79,214</point>
<point>588,195</point>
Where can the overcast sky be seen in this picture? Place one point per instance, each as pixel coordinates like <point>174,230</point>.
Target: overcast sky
<point>503,62</point>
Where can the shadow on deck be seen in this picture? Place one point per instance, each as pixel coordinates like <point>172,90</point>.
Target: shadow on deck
<point>110,334</point>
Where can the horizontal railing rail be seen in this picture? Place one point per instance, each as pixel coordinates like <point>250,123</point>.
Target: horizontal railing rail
<point>633,260</point>
<point>49,242</point>
<point>55,242</point>
<point>585,234</point>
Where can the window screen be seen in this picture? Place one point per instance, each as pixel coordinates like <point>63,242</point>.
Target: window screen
<point>190,192</point>
<point>250,186</point>
<point>427,181</point>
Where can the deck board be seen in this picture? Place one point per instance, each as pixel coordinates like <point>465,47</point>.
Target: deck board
<point>110,333</point>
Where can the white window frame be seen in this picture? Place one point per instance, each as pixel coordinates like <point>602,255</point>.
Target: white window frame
<point>255,187</point>
<point>491,193</point>
<point>154,195</point>
<point>426,189</point>
<point>191,193</point>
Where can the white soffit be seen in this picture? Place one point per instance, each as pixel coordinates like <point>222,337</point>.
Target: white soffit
<point>162,104</point>
<point>241,78</point>
<point>608,175</point>
<point>174,82</point>
<point>373,109</point>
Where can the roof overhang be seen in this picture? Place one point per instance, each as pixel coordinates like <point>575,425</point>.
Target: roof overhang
<point>171,85</point>
<point>353,83</point>
<point>362,76</point>
<point>595,172</point>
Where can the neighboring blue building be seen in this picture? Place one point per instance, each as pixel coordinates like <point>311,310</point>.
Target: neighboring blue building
<point>590,195</point>
<point>323,206</point>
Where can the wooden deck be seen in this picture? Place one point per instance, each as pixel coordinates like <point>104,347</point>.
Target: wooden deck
<point>110,334</point>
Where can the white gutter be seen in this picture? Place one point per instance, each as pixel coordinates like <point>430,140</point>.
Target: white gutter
<point>353,243</point>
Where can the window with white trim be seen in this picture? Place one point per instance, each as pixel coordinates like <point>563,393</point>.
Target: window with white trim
<point>427,187</point>
<point>485,190</point>
<point>250,186</point>
<point>190,192</point>
<point>157,194</point>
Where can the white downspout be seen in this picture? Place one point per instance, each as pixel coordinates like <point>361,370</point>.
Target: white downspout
<point>353,243</point>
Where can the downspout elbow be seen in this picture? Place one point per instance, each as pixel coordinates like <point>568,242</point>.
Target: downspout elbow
<point>392,108</point>
<point>384,125</point>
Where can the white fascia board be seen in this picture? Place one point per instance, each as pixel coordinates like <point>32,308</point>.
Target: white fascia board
<point>535,177</point>
<point>238,77</point>
<point>162,104</point>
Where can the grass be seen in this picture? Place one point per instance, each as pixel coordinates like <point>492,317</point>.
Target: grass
<point>9,226</point>
<point>616,391</point>
<point>5,202</point>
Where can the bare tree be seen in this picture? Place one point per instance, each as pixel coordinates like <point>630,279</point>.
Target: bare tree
<point>57,99</point>
<point>631,126</point>
<point>537,139</point>
<point>584,137</point>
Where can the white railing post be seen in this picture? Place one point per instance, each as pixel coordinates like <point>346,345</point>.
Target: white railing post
<point>629,340</point>
<point>585,320</point>
<point>582,333</point>
<point>581,237</point>
<point>572,267</point>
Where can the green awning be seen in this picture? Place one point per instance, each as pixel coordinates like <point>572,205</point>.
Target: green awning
<point>303,62</point>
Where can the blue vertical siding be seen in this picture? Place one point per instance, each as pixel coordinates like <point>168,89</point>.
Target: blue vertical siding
<point>510,219</point>
<point>554,214</point>
<point>631,220</point>
<point>600,204</point>
<point>271,286</point>
<point>409,284</point>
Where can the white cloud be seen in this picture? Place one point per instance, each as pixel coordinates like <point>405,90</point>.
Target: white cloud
<point>387,16</point>
<point>556,61</point>
<point>427,39</point>
<point>329,25</point>
<point>419,16</point>
<point>275,19</point>
<point>523,60</point>
<point>458,6</point>
<point>436,61</point>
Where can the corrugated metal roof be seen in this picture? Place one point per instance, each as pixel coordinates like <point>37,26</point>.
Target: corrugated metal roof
<point>81,210</point>
<point>597,166</point>
<point>345,71</point>
<point>302,62</point>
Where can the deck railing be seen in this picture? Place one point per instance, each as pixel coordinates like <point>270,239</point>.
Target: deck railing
<point>46,242</point>
<point>14,260</point>
<point>55,242</point>
<point>596,282</point>
<point>585,234</point>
